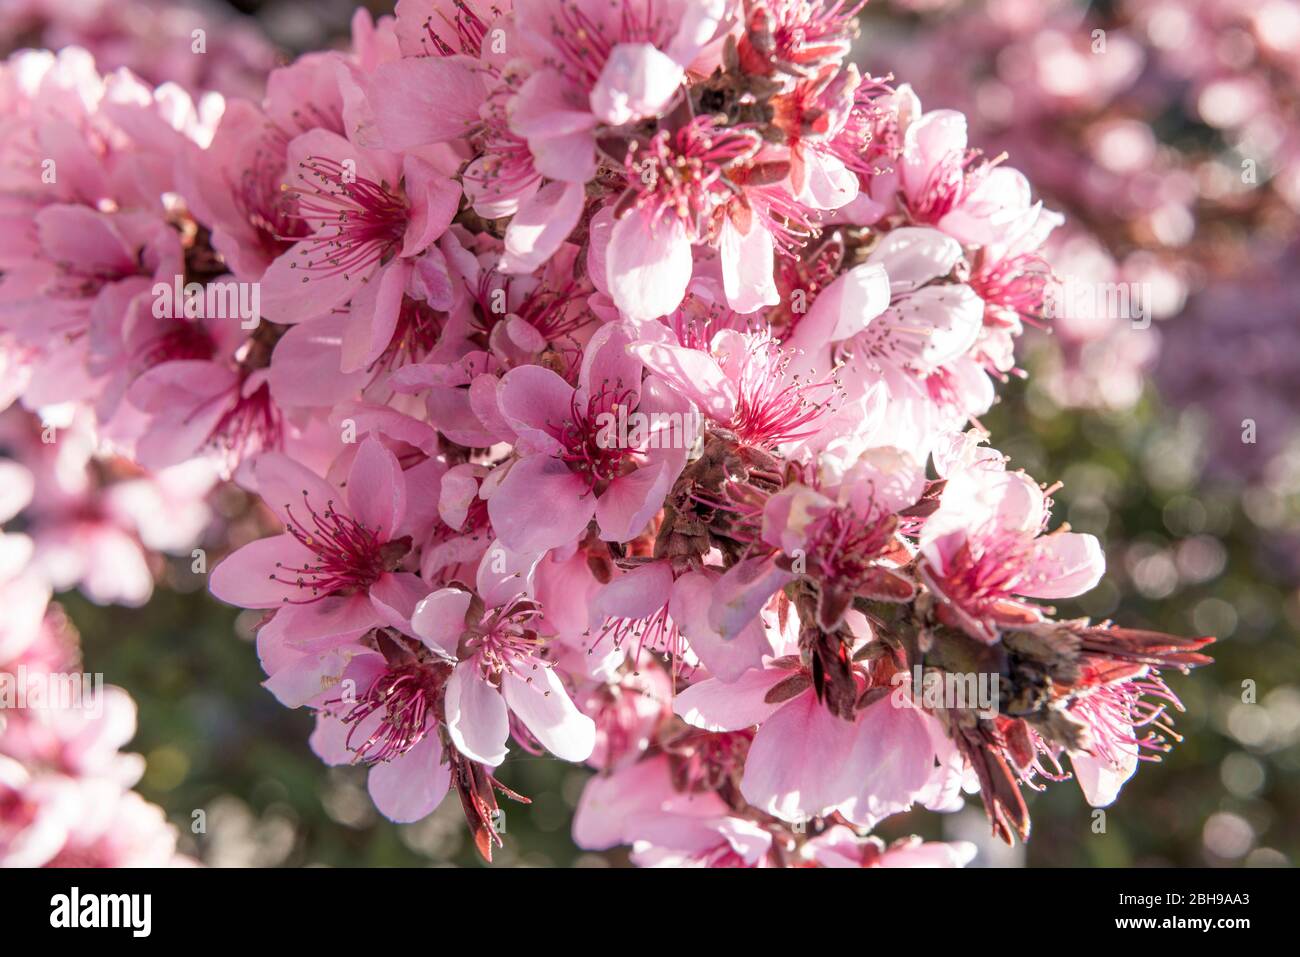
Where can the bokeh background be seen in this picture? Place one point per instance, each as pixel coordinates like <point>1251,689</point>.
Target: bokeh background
<point>1168,132</point>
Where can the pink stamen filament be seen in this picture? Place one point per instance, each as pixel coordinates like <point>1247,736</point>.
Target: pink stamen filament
<point>771,409</point>
<point>469,29</point>
<point>507,167</point>
<point>1111,710</point>
<point>846,545</point>
<point>681,175</point>
<point>1013,287</point>
<point>984,572</point>
<point>259,198</point>
<point>583,45</point>
<point>504,642</point>
<point>407,696</point>
<point>348,554</point>
<point>368,220</point>
<point>584,452</point>
<point>188,340</point>
<point>415,336</point>
<point>656,631</point>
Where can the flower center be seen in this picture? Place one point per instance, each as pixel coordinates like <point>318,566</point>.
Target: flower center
<point>846,545</point>
<point>588,449</point>
<point>704,761</point>
<point>681,174</point>
<point>418,327</point>
<point>250,424</point>
<point>548,310</point>
<point>349,556</point>
<point>188,340</point>
<point>505,642</point>
<point>357,221</point>
<point>1012,289</point>
<point>985,572</point>
<point>950,183</point>
<point>507,166</point>
<point>771,410</point>
<point>407,696</point>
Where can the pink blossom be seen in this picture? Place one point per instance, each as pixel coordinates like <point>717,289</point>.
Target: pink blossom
<point>336,569</point>
<point>573,465</point>
<point>368,217</point>
<point>984,549</point>
<point>806,761</point>
<point>499,678</point>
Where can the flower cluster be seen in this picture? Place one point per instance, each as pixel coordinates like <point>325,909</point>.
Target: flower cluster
<point>612,374</point>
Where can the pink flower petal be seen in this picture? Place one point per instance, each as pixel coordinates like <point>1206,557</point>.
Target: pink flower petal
<point>891,761</point>
<point>395,597</point>
<point>262,574</point>
<point>544,706</point>
<point>534,397</point>
<point>747,264</point>
<point>426,100</point>
<point>288,488</point>
<point>434,199</point>
<point>695,374</point>
<point>310,366</point>
<point>928,328</point>
<point>477,719</point>
<point>796,766</point>
<point>371,321</point>
<point>294,292</point>
<point>638,593</point>
<point>1100,780</point>
<point>632,500</point>
<point>304,679</point>
<point>320,625</point>
<point>540,504</point>
<point>743,591</point>
<point>439,620</point>
<point>410,786</point>
<point>844,308</point>
<point>914,255</point>
<point>726,658</point>
<point>543,222</point>
<point>608,363</point>
<point>637,81</point>
<point>1065,564</point>
<point>716,705</point>
<point>927,142</point>
<point>377,489</point>
<point>648,264</point>
<point>504,574</point>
